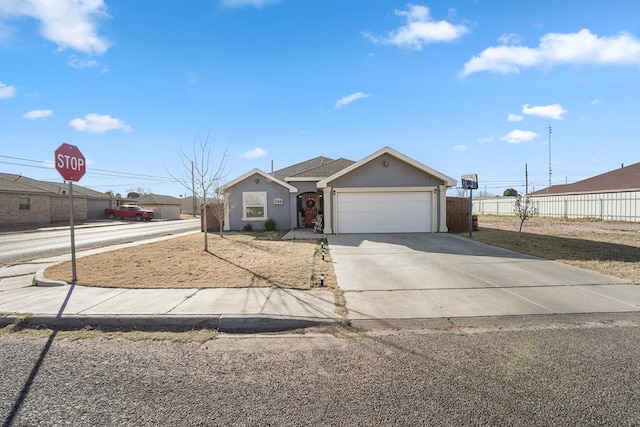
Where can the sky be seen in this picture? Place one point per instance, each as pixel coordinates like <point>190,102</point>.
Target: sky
<point>462,86</point>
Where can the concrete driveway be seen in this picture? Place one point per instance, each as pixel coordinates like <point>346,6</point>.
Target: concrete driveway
<point>423,276</point>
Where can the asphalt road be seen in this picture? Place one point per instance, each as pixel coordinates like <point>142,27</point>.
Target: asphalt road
<point>22,246</point>
<point>558,374</point>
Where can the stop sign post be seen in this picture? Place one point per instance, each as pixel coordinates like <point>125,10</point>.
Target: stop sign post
<point>71,165</point>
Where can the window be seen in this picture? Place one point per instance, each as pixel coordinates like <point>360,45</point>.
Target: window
<point>254,205</point>
<point>24,204</point>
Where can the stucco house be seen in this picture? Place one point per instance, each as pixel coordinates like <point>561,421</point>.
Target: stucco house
<point>386,192</point>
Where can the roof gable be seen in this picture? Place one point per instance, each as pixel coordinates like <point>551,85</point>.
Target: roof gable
<point>450,182</point>
<point>268,177</point>
<point>625,178</point>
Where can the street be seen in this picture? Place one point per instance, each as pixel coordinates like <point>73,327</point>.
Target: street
<point>546,374</point>
<point>17,247</point>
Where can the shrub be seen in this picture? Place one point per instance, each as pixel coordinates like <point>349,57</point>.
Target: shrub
<point>269,224</point>
<point>247,227</point>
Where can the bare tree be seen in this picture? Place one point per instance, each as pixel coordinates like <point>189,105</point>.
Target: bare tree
<point>462,192</point>
<point>220,205</point>
<point>139,191</point>
<point>524,208</point>
<point>199,176</point>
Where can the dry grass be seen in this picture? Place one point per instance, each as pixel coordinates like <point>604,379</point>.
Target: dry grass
<point>257,259</point>
<point>611,248</point>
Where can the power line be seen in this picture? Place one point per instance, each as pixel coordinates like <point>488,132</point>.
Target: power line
<point>90,171</point>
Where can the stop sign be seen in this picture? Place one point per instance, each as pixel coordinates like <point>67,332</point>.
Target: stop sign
<point>70,162</point>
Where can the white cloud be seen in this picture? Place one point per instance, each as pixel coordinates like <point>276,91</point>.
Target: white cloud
<point>510,38</point>
<point>254,153</point>
<point>460,147</point>
<point>243,3</point>
<point>80,63</point>
<point>6,91</point>
<point>351,98</point>
<point>69,24</point>
<point>97,123</point>
<point>37,114</point>
<point>517,136</point>
<point>514,118</point>
<point>554,49</point>
<point>485,140</point>
<point>419,29</point>
<point>553,111</point>
<point>596,101</point>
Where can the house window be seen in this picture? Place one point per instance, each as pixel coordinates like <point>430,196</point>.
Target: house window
<point>24,204</point>
<point>254,205</point>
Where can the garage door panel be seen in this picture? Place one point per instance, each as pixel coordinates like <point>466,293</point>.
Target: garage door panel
<point>384,212</point>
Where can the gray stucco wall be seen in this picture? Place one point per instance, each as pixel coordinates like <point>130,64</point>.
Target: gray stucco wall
<point>281,214</point>
<point>396,173</point>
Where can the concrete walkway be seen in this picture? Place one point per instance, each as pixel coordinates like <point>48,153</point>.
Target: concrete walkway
<point>58,304</point>
<point>387,278</point>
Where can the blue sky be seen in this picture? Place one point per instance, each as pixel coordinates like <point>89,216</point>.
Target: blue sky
<point>462,86</point>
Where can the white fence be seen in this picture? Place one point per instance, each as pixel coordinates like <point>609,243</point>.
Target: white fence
<point>622,206</point>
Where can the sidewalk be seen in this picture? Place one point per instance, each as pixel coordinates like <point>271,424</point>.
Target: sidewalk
<point>59,305</point>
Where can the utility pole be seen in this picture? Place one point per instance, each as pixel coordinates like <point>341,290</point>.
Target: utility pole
<point>549,155</point>
<point>526,179</point>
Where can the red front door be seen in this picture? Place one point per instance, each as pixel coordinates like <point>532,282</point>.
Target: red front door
<point>310,202</point>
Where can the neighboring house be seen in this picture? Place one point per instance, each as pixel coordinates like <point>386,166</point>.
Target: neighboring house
<point>612,196</point>
<point>163,207</point>
<point>28,201</point>
<point>625,179</point>
<point>383,193</point>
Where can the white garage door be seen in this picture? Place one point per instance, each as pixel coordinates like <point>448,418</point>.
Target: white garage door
<point>384,212</point>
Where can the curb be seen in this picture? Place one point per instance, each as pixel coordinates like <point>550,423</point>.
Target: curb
<point>40,280</point>
<point>221,323</point>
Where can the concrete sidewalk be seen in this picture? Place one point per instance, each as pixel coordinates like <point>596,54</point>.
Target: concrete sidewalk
<point>387,280</point>
<point>57,304</point>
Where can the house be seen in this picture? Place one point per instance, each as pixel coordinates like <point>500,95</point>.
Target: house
<point>625,179</point>
<point>28,201</point>
<point>611,196</point>
<point>385,192</point>
<point>163,207</point>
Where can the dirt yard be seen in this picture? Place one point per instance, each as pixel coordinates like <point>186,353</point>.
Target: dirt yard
<point>611,248</point>
<point>262,259</point>
<point>235,260</point>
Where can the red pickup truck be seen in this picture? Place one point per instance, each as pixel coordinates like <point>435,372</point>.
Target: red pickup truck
<point>129,211</point>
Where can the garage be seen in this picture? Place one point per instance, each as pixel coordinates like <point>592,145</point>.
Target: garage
<point>384,211</point>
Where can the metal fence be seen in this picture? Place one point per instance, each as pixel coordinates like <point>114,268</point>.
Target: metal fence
<point>622,206</point>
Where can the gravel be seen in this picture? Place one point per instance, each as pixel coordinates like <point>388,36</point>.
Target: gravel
<point>542,375</point>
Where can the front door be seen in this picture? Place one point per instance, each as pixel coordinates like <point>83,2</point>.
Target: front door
<point>310,205</point>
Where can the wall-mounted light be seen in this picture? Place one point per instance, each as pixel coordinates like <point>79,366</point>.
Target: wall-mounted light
<point>386,163</point>
<point>257,180</point>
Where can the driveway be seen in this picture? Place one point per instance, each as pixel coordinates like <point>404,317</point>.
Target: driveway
<point>422,276</point>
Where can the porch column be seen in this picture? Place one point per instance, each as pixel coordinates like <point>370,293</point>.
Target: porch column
<point>327,210</point>
<point>442,226</point>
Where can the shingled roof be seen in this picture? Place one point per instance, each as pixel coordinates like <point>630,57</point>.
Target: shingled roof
<point>159,199</point>
<point>298,168</point>
<point>626,178</point>
<point>319,167</point>
<point>11,183</point>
